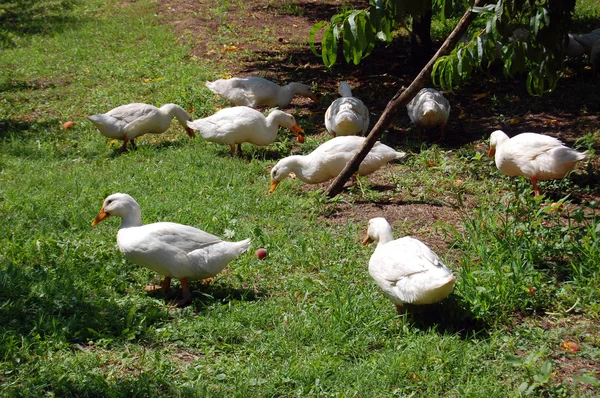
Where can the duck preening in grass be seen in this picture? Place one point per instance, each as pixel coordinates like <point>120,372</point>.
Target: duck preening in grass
<point>428,109</point>
<point>535,156</point>
<point>127,122</point>
<point>330,158</point>
<point>257,91</point>
<point>240,124</point>
<point>347,115</point>
<point>173,250</point>
<point>406,270</point>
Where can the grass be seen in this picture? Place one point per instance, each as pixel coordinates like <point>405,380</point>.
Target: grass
<point>307,320</point>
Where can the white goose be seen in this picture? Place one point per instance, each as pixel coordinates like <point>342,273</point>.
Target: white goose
<point>130,121</point>
<point>330,158</point>
<point>347,115</point>
<point>535,156</point>
<point>240,124</point>
<point>428,109</point>
<point>173,250</point>
<point>257,91</point>
<point>406,269</point>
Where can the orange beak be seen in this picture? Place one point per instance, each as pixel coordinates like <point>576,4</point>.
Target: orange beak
<point>273,186</point>
<point>296,129</point>
<point>189,132</point>
<point>366,241</point>
<point>101,216</point>
<point>492,152</point>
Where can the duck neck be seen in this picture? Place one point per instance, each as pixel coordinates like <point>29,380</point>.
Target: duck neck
<point>287,93</point>
<point>133,218</point>
<point>345,90</point>
<point>385,235</point>
<point>297,164</point>
<point>178,112</point>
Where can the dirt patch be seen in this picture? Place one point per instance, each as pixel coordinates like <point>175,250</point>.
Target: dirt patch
<point>270,39</point>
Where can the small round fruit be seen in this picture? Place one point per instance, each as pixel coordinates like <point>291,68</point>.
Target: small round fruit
<point>261,253</point>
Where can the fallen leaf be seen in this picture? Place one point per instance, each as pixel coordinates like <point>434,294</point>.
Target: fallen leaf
<point>515,120</point>
<point>230,48</point>
<point>516,98</point>
<point>477,97</point>
<point>68,125</point>
<point>569,346</point>
<point>458,182</point>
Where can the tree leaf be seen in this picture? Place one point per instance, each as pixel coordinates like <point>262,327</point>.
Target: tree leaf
<point>311,38</point>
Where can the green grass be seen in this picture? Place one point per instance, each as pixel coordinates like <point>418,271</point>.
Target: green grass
<point>307,320</point>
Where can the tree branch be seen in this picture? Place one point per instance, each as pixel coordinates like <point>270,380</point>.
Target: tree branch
<point>399,100</point>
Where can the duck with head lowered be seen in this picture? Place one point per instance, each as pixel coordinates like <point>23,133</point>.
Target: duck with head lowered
<point>240,124</point>
<point>330,158</point>
<point>532,155</point>
<point>405,269</point>
<point>257,91</point>
<point>428,109</point>
<point>347,115</point>
<point>127,122</point>
<point>173,250</point>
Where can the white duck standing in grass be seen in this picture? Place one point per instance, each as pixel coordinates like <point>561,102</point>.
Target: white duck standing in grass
<point>257,91</point>
<point>240,124</point>
<point>330,158</point>
<point>535,156</point>
<point>428,109</point>
<point>406,269</point>
<point>347,115</point>
<point>173,250</point>
<point>127,122</point>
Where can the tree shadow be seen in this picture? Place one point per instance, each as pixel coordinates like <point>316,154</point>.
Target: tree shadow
<point>20,18</point>
<point>24,130</point>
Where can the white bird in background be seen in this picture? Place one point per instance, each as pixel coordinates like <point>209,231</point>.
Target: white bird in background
<point>406,270</point>
<point>127,122</point>
<point>257,91</point>
<point>428,109</point>
<point>173,250</point>
<point>330,158</point>
<point>347,115</point>
<point>535,156</point>
<point>240,124</point>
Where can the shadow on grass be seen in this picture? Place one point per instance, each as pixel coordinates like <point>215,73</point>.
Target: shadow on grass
<point>24,130</point>
<point>450,315</point>
<point>48,303</point>
<point>19,18</point>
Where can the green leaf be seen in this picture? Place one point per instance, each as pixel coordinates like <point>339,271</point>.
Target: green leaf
<point>329,47</point>
<point>587,379</point>
<point>311,38</point>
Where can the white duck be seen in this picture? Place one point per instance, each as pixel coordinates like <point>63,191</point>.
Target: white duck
<point>257,91</point>
<point>243,124</point>
<point>130,121</point>
<point>406,269</point>
<point>330,158</point>
<point>535,156</point>
<point>173,250</point>
<point>429,108</point>
<point>347,115</point>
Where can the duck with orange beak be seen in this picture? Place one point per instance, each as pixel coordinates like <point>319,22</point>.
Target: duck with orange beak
<point>173,250</point>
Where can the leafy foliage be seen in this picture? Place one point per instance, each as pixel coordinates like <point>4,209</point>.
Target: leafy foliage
<point>525,36</point>
<point>360,29</point>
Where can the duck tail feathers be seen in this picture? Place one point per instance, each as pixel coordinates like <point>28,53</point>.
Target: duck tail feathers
<point>401,155</point>
<point>244,245</point>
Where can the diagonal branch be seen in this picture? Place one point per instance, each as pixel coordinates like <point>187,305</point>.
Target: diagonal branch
<point>400,99</point>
